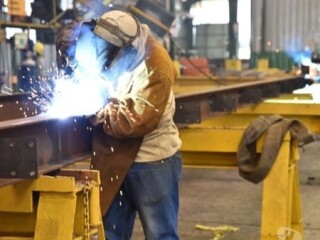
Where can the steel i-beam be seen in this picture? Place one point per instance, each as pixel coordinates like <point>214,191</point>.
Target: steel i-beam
<point>199,99</point>
<point>18,105</point>
<point>37,145</point>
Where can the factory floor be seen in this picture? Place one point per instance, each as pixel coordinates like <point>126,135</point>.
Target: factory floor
<point>221,197</point>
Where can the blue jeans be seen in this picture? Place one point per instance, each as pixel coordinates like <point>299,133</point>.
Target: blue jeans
<point>152,191</point>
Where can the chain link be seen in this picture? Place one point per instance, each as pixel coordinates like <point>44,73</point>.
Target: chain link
<point>86,190</point>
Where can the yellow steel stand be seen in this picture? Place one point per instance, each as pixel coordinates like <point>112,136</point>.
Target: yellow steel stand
<point>206,145</point>
<point>291,106</point>
<point>62,207</point>
<point>298,106</point>
<point>281,218</point>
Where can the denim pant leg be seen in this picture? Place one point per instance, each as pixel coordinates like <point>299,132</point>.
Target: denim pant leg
<point>119,220</point>
<point>154,188</point>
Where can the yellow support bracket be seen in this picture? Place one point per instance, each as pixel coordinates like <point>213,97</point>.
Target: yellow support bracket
<point>233,64</point>
<point>293,106</point>
<point>281,194</point>
<point>66,206</point>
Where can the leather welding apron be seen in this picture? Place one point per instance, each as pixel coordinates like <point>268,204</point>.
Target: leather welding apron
<point>113,158</point>
<point>255,167</point>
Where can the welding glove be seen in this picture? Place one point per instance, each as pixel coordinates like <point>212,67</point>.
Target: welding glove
<point>109,110</point>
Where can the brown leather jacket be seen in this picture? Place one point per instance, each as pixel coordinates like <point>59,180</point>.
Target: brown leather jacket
<point>117,142</point>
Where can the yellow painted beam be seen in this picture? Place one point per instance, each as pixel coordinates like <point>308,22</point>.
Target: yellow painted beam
<point>233,64</point>
<point>306,111</point>
<point>225,122</point>
<point>55,218</point>
<point>214,143</point>
<point>276,207</point>
<point>16,238</point>
<point>210,139</point>
<point>296,223</point>
<point>17,198</point>
<point>208,159</point>
<point>17,223</point>
<point>298,108</point>
<point>207,146</point>
<point>242,120</point>
<point>65,205</point>
<point>293,96</point>
<point>57,184</point>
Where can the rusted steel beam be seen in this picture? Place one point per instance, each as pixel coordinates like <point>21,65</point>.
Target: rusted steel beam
<point>195,97</point>
<point>197,100</point>
<point>35,145</point>
<point>17,105</point>
<point>40,144</point>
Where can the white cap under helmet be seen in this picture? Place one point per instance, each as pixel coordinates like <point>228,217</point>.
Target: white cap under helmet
<point>117,27</point>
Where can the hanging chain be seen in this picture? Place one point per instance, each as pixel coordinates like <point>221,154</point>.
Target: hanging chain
<point>86,190</point>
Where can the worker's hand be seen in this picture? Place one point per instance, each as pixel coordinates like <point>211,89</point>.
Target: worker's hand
<point>108,111</point>
<point>98,118</point>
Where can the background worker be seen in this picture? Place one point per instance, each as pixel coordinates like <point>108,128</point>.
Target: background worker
<point>39,59</point>
<point>27,72</point>
<point>136,143</point>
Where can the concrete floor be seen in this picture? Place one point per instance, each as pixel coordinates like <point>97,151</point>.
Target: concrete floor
<point>222,197</point>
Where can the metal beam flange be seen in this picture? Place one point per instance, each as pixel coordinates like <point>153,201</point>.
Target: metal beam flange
<point>18,157</point>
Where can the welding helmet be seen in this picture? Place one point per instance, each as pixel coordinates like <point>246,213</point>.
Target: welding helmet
<point>117,27</point>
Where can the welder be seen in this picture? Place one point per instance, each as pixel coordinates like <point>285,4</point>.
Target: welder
<point>136,143</point>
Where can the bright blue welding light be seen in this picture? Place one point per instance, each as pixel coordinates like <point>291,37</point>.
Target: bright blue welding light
<point>89,88</point>
<point>83,94</point>
<point>86,91</point>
